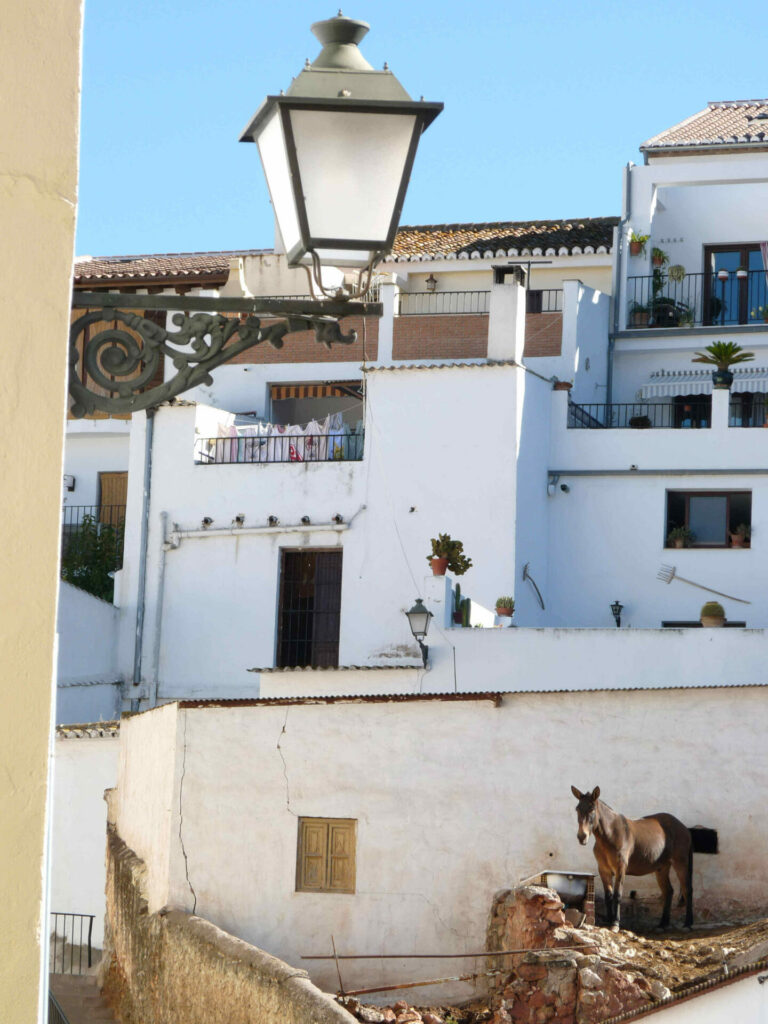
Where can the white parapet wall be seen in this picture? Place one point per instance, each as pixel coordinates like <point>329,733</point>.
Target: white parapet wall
<point>453,799</point>
<point>87,678</point>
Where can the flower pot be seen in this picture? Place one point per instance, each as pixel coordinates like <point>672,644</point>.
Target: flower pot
<point>635,248</point>
<point>657,262</point>
<point>439,566</point>
<point>502,612</point>
<point>678,542</point>
<point>640,319</point>
<point>712,621</point>
<point>722,379</point>
<point>458,619</point>
<point>738,540</point>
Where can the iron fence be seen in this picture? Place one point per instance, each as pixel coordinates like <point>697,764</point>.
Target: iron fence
<point>748,410</point>
<point>210,451</point>
<point>544,300</point>
<point>78,520</point>
<point>658,300</point>
<point>71,943</point>
<point>55,1013</point>
<point>428,303</point>
<point>640,415</point>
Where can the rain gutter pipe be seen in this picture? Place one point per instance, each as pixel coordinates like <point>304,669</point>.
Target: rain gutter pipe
<point>142,587</point>
<point>617,280</point>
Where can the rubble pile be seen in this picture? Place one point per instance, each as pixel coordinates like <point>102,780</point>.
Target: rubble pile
<point>402,1012</point>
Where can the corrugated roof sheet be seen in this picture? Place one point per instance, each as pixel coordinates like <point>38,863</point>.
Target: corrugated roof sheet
<point>485,364</point>
<point>741,123</point>
<point>341,668</point>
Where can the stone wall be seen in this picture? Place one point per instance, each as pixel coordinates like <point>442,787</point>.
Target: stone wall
<point>173,966</point>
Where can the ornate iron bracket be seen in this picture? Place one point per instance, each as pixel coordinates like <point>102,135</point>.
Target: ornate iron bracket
<point>123,362</point>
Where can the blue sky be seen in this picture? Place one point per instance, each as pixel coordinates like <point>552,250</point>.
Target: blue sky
<point>544,104</point>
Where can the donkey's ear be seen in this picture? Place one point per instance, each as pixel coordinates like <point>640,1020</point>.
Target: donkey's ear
<point>595,792</point>
<point>576,793</point>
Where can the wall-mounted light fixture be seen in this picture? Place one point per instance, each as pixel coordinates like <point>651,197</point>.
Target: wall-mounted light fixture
<point>69,482</point>
<point>418,619</point>
<point>552,481</point>
<point>431,283</point>
<point>617,608</point>
<point>207,521</point>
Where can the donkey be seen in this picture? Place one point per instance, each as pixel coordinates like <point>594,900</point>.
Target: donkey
<point>655,843</point>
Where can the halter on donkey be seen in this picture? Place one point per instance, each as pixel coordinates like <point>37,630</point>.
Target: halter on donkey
<point>624,846</point>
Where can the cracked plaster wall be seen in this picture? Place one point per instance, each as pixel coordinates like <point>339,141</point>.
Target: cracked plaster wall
<point>453,802</point>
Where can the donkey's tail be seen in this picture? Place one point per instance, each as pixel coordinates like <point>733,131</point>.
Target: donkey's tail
<point>689,888</point>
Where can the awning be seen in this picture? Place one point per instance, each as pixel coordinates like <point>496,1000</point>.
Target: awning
<point>670,383</point>
<point>341,388</point>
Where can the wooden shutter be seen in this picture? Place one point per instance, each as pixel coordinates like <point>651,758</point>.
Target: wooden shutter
<point>113,493</point>
<point>326,855</point>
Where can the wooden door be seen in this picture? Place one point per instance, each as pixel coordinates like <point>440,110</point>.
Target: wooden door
<point>113,493</point>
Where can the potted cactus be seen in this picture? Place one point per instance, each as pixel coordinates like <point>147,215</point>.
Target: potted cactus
<point>680,537</point>
<point>461,608</point>
<point>505,606</point>
<point>448,554</point>
<point>712,614</point>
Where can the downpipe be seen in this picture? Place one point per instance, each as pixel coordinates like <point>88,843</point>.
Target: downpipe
<point>155,684</point>
<point>141,596</point>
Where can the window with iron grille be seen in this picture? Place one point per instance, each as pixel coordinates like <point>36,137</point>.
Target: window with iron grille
<point>310,609</point>
<point>326,855</point>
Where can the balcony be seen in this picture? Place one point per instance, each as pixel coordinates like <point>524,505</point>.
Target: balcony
<point>92,546</point>
<point>640,415</point>
<point>277,447</point>
<point>698,300</point>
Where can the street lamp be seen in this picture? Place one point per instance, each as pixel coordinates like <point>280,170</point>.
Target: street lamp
<point>337,149</point>
<point>418,619</point>
<point>617,607</point>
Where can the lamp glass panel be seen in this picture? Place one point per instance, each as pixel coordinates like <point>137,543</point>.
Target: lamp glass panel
<point>351,166</point>
<point>274,159</point>
<point>419,622</point>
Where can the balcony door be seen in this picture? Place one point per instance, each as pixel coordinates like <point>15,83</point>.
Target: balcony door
<point>734,300</point>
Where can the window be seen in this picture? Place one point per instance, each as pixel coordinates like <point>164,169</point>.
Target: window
<point>733,301</point>
<point>326,855</point>
<point>310,609</point>
<point>712,516</point>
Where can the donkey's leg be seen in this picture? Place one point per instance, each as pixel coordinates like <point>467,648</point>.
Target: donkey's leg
<point>606,877</point>
<point>662,877</point>
<point>684,872</point>
<point>618,889</point>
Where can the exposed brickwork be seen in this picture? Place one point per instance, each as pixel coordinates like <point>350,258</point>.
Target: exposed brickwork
<point>463,336</point>
<point>543,334</point>
<point>301,347</point>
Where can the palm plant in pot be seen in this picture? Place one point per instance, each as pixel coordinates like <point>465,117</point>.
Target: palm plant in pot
<point>723,355</point>
<point>712,614</point>
<point>448,554</point>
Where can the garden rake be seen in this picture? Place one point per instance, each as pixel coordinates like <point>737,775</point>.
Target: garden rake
<point>667,573</point>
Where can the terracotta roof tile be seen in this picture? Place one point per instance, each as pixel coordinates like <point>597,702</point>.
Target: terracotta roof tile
<point>742,123</point>
<point>505,238</point>
<point>203,267</point>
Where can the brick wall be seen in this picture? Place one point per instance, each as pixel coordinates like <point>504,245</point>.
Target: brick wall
<point>543,334</point>
<point>301,346</point>
<point>444,336</point>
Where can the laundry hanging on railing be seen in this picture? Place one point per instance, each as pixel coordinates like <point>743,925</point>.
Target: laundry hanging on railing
<point>316,441</point>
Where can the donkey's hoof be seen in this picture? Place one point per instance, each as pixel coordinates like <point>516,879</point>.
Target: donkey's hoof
<point>615,926</point>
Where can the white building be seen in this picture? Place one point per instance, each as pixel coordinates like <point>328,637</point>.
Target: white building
<point>548,416</point>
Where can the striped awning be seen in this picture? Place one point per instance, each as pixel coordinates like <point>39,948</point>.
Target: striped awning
<point>334,389</point>
<point>670,383</point>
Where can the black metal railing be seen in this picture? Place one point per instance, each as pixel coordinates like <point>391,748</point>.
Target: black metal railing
<point>640,415</point>
<point>748,410</point>
<point>71,951</point>
<point>104,525</point>
<point>428,303</point>
<point>210,451</point>
<point>544,300</point>
<point>55,1013</point>
<point>658,300</point>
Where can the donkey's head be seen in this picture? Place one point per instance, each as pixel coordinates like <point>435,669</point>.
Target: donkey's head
<point>586,812</point>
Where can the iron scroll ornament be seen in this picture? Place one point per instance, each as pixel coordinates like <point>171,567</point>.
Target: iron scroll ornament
<point>122,365</point>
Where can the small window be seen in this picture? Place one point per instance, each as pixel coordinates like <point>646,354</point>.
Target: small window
<point>716,519</point>
<point>326,855</point>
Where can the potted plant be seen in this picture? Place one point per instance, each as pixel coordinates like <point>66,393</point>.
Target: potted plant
<point>638,315</point>
<point>761,313</point>
<point>640,422</point>
<point>741,536</point>
<point>680,537</point>
<point>658,257</point>
<point>448,554</point>
<point>461,608</point>
<point>742,273</point>
<point>505,606</point>
<point>637,244</point>
<point>712,614</point>
<point>676,272</point>
<point>723,354</point>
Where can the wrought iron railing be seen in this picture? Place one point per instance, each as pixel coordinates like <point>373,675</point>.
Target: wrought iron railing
<point>211,451</point>
<point>97,521</point>
<point>639,415</point>
<point>748,410</point>
<point>55,1013</point>
<point>428,303</point>
<point>71,951</point>
<point>544,300</point>
<point>660,301</point>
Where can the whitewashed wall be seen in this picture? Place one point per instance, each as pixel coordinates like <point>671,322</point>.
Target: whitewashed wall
<point>93,447</point>
<point>83,768</point>
<point>453,800</point>
<point>87,657</point>
<point>744,1000</point>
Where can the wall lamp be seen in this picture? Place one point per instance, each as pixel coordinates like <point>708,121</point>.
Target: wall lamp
<point>431,283</point>
<point>617,607</point>
<point>418,619</point>
<point>552,481</point>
